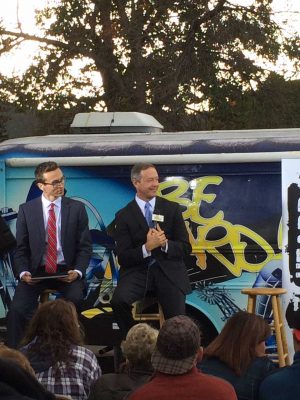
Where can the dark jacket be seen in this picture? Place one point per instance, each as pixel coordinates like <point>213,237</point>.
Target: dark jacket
<point>131,233</point>
<point>75,236</point>
<point>7,239</point>
<point>8,393</point>
<point>15,381</point>
<point>117,386</point>
<point>246,385</point>
<point>284,384</point>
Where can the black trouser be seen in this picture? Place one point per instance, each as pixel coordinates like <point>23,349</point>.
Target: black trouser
<point>133,285</point>
<point>25,302</point>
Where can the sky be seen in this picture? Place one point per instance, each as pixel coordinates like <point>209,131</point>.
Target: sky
<point>18,61</point>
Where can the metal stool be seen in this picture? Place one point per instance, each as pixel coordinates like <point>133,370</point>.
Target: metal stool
<point>277,326</point>
<point>139,313</point>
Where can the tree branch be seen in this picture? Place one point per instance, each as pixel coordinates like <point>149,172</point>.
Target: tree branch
<point>27,36</point>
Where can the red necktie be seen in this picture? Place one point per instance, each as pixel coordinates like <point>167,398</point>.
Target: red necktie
<point>51,256</point>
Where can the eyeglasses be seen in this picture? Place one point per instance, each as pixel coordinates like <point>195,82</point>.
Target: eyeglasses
<point>55,184</point>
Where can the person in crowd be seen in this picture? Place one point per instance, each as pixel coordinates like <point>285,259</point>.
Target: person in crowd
<point>174,359</point>
<point>54,346</point>
<point>237,354</point>
<point>137,350</point>
<point>16,383</point>
<point>284,384</point>
<point>17,357</point>
<point>7,239</point>
<point>151,243</point>
<point>53,240</point>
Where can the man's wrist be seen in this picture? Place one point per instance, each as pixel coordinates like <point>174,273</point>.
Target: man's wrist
<point>146,253</point>
<point>23,273</point>
<point>79,273</point>
<point>165,247</point>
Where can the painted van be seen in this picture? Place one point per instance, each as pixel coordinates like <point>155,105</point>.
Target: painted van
<point>228,184</point>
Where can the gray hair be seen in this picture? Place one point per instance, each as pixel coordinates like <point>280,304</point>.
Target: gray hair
<point>137,169</point>
<point>139,344</point>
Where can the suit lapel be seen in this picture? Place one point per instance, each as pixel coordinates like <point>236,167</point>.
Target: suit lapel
<point>137,213</point>
<point>160,208</point>
<point>38,211</point>
<point>65,211</point>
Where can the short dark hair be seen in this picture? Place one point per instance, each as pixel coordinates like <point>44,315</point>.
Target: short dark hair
<point>138,168</point>
<point>46,166</point>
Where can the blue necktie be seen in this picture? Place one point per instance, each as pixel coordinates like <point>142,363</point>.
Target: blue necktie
<point>148,215</point>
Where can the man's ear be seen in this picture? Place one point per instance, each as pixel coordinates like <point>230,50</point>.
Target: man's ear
<point>134,182</point>
<point>39,185</point>
<point>199,354</point>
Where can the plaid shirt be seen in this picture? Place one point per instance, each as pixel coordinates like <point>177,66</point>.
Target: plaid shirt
<point>74,379</point>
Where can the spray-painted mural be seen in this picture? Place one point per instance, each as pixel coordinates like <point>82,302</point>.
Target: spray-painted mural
<point>232,214</point>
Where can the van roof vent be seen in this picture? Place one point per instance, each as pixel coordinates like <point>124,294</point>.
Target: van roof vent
<point>114,122</point>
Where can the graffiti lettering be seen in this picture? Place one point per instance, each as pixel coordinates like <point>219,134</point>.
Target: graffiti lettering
<point>192,195</point>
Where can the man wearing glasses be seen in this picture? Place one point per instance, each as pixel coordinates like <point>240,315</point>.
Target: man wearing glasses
<point>53,249</point>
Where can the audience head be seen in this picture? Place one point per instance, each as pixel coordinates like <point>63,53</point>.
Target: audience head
<point>177,347</point>
<point>139,346</point>
<point>241,340</point>
<point>17,357</point>
<point>54,326</point>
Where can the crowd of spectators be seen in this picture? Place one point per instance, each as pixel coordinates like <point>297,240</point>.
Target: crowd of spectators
<point>53,362</point>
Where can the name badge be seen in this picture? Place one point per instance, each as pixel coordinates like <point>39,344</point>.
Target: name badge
<point>158,218</point>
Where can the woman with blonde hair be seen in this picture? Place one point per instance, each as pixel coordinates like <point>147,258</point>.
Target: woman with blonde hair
<point>237,354</point>
<point>54,347</point>
<point>137,350</point>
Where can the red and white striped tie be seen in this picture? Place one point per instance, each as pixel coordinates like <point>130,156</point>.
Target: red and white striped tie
<point>51,256</point>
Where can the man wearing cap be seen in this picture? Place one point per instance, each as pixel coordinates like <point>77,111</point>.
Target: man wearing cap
<point>284,384</point>
<point>174,361</point>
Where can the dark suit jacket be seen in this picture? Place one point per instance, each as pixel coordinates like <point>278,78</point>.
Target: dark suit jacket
<point>30,235</point>
<point>7,239</point>
<point>131,232</point>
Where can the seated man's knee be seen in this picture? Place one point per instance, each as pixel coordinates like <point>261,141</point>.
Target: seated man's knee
<point>76,300</point>
<point>118,299</point>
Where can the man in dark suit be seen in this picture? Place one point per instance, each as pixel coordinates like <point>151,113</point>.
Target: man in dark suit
<point>73,249</point>
<point>150,253</point>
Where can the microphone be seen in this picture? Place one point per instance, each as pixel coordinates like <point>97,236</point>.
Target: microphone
<point>157,217</point>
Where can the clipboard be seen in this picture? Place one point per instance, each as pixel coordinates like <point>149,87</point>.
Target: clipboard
<point>40,278</point>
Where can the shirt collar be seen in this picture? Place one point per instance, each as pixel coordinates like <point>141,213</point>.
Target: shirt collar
<point>46,203</point>
<point>142,203</point>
